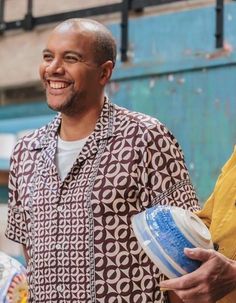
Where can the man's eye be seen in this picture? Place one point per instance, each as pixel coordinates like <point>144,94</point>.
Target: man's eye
<point>47,57</point>
<point>71,59</point>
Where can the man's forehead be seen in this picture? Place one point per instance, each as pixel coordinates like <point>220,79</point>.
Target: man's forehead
<point>77,26</point>
<point>71,35</point>
<point>68,41</point>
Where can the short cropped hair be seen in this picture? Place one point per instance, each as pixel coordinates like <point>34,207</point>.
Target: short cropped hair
<point>105,47</point>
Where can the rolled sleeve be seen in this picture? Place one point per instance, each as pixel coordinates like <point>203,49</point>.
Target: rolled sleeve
<point>16,225</point>
<point>182,194</point>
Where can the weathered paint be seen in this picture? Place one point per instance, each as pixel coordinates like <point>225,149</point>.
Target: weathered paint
<point>176,74</point>
<point>200,114</point>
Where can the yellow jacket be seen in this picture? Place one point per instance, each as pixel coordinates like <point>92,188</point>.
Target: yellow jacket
<point>219,214</point>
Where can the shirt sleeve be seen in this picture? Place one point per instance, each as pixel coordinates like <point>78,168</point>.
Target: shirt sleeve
<point>16,225</point>
<point>167,176</point>
<point>206,213</point>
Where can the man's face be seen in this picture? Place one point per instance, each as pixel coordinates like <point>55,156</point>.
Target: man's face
<point>69,72</point>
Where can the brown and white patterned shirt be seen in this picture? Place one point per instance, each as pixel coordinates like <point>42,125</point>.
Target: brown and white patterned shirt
<point>78,232</point>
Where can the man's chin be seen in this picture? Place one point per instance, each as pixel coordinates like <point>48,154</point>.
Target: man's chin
<point>56,103</point>
<point>56,109</point>
<point>55,106</point>
<point>64,108</point>
<point>61,103</point>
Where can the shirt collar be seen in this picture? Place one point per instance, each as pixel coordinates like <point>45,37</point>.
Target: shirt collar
<point>47,135</point>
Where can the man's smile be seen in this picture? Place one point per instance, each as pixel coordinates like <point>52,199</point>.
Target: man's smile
<point>57,87</point>
<point>58,84</point>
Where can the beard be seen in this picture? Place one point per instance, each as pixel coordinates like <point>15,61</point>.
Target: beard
<point>69,105</point>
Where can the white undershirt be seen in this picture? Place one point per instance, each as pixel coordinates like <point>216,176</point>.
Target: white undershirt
<point>67,152</point>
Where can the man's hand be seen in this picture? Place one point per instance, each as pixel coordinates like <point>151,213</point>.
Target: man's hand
<point>215,278</point>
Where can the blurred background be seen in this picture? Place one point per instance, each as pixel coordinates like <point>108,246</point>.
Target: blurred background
<point>176,62</point>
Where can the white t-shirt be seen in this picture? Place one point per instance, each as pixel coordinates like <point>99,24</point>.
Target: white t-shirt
<point>67,152</point>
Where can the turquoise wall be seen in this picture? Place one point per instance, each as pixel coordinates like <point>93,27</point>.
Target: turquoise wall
<point>176,74</point>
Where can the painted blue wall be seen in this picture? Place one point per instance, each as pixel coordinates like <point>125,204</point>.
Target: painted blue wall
<point>176,74</point>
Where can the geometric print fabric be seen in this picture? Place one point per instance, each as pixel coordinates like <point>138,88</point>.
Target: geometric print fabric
<point>78,232</point>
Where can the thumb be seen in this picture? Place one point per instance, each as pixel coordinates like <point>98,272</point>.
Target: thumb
<point>199,254</point>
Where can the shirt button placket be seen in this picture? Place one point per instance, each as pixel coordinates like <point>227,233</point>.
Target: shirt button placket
<point>60,288</point>
<point>58,246</point>
<point>59,208</point>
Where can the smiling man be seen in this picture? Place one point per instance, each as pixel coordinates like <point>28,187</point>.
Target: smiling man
<point>75,183</point>
<point>75,70</point>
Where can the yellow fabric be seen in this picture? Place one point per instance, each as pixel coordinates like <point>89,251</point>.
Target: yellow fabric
<point>219,214</point>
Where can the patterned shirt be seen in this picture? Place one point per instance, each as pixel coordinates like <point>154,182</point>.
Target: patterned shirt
<point>78,232</point>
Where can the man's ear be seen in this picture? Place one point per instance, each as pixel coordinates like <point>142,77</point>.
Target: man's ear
<point>106,72</point>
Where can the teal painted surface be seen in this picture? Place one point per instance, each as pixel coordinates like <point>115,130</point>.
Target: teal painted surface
<point>3,194</point>
<point>176,75</point>
<point>28,110</point>
<point>175,42</point>
<point>201,115</point>
<point>15,125</point>
<point>4,165</point>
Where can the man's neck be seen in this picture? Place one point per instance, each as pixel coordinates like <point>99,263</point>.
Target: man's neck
<point>80,125</point>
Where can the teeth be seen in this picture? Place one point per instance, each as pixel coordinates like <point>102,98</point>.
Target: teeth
<point>58,85</point>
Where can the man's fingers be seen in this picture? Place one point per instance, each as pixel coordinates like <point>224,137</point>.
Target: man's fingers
<point>192,279</point>
<point>199,254</point>
<point>183,282</point>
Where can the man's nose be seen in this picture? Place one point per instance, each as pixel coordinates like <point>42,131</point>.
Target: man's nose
<point>55,67</point>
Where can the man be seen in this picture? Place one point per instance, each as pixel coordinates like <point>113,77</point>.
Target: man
<point>216,277</point>
<point>75,183</point>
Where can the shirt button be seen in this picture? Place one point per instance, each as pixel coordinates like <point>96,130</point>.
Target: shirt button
<point>58,246</point>
<point>59,207</point>
<point>60,288</point>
